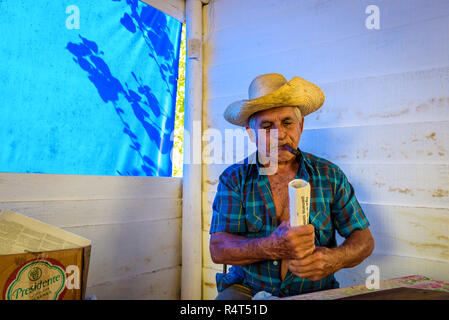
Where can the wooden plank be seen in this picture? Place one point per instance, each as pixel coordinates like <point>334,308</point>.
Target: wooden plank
<point>40,187</point>
<point>401,293</point>
<point>162,284</point>
<point>128,249</point>
<point>423,143</point>
<point>391,266</point>
<point>408,48</point>
<point>174,8</point>
<point>430,288</point>
<point>208,199</point>
<point>304,24</point>
<point>409,231</point>
<point>409,97</point>
<point>223,14</point>
<point>400,184</point>
<point>209,284</point>
<point>64,214</point>
<point>233,14</point>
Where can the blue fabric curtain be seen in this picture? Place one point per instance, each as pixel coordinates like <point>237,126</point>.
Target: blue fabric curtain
<point>87,87</point>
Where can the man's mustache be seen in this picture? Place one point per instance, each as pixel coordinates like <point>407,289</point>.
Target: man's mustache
<point>287,146</point>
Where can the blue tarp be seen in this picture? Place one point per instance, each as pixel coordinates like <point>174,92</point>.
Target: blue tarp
<point>87,87</point>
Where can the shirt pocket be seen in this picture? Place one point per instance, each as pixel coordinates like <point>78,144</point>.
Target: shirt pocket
<point>254,224</point>
<point>323,229</point>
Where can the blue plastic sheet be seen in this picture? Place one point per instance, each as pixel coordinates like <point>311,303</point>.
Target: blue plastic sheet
<point>87,87</point>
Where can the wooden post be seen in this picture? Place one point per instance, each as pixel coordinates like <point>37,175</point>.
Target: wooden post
<point>191,275</point>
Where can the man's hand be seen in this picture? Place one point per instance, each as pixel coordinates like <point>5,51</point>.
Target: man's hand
<point>324,261</point>
<point>293,242</point>
<point>316,266</point>
<point>284,243</point>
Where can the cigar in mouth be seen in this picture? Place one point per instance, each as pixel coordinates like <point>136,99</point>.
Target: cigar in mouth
<point>296,152</point>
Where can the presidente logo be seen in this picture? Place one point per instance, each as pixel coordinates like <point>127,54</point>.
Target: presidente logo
<point>37,280</point>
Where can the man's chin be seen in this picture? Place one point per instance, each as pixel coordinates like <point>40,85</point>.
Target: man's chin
<point>283,155</point>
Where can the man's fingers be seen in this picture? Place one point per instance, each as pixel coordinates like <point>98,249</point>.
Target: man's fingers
<point>303,231</point>
<point>306,229</point>
<point>303,242</point>
<point>310,271</point>
<point>311,268</point>
<point>299,242</point>
<point>301,252</point>
<point>303,263</point>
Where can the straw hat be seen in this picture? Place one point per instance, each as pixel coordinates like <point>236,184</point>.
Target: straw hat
<point>272,90</point>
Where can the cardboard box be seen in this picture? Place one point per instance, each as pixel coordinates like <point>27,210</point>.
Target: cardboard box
<point>39,261</point>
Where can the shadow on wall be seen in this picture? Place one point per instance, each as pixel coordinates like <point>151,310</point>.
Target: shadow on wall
<point>152,25</point>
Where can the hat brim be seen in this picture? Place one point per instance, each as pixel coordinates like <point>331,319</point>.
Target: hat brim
<point>297,92</point>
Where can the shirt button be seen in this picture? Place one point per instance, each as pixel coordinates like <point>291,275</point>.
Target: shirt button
<point>275,263</point>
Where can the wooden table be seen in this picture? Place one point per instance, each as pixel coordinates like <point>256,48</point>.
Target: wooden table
<point>413,281</point>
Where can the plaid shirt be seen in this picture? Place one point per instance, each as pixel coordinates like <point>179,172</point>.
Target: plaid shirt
<point>243,205</point>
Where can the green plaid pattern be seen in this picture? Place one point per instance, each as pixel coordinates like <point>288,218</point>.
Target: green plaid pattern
<point>243,205</point>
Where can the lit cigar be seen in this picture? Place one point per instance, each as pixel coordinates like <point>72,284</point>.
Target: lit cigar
<point>296,152</point>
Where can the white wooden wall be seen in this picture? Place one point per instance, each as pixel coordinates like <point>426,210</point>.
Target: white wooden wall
<point>385,120</point>
<point>134,224</point>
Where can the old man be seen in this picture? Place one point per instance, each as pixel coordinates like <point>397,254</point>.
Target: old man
<point>250,227</point>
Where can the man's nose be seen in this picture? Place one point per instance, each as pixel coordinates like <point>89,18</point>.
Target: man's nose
<point>282,133</point>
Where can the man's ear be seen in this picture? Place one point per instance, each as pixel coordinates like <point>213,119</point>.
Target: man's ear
<point>251,134</point>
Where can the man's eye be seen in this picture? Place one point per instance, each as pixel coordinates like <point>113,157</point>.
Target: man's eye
<point>287,123</point>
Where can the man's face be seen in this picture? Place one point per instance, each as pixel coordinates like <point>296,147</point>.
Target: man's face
<point>289,129</point>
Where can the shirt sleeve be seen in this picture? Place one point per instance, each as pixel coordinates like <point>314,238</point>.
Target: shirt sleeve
<point>228,214</point>
<point>347,213</point>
